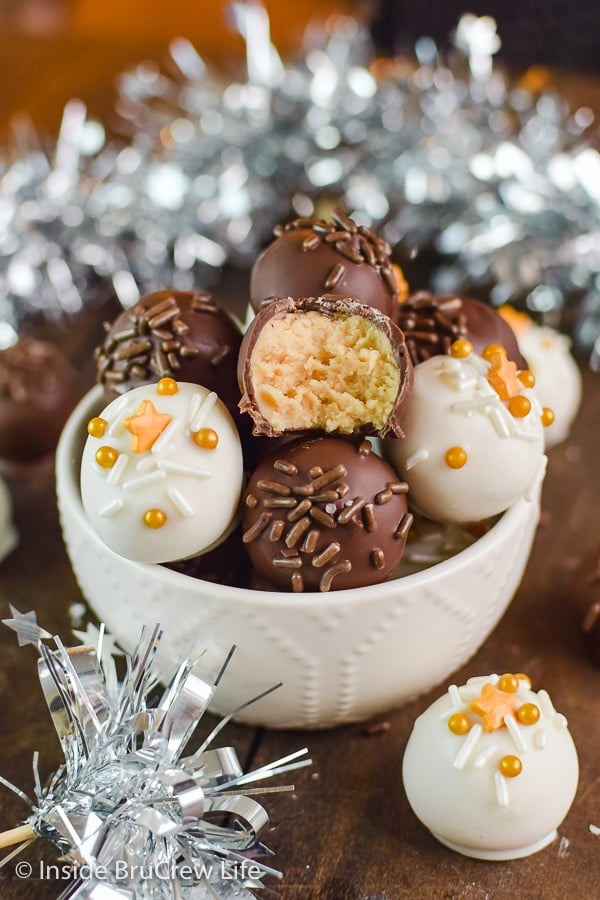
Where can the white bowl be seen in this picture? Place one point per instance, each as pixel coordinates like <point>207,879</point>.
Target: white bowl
<point>342,656</point>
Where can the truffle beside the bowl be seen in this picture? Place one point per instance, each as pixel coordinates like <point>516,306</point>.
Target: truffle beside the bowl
<point>342,656</point>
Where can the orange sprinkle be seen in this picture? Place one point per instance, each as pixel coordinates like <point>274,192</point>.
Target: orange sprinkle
<point>493,705</point>
<point>146,426</point>
<point>96,427</point>
<point>106,457</point>
<point>455,457</point>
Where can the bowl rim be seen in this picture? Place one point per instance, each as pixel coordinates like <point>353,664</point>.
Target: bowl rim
<point>68,485</point>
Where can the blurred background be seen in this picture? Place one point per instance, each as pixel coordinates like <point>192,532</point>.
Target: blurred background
<point>53,50</point>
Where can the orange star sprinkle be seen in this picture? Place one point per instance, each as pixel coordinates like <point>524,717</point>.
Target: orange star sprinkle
<point>146,426</point>
<point>503,373</point>
<point>493,705</point>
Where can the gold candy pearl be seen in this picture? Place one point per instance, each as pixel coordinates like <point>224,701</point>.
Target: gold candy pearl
<point>510,766</point>
<point>461,349</point>
<point>508,683</point>
<point>207,438</point>
<point>526,378</point>
<point>524,678</point>
<point>459,723</point>
<point>528,714</point>
<point>547,416</point>
<point>96,427</point>
<point>519,406</point>
<point>167,386</point>
<point>455,457</point>
<point>492,350</point>
<point>106,457</point>
<point>155,518</point>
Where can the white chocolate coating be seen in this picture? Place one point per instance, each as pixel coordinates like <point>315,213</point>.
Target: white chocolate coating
<point>195,489</point>
<point>557,376</point>
<point>455,787</point>
<point>8,534</point>
<point>454,406</point>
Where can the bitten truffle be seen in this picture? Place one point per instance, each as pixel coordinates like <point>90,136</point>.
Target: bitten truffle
<point>491,768</point>
<point>431,324</point>
<point>324,514</point>
<point>310,257</point>
<point>177,334</point>
<point>161,472</point>
<point>326,363</point>
<point>37,393</point>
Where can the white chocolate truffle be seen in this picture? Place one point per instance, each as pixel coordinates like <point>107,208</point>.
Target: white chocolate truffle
<point>474,441</point>
<point>491,768</point>
<point>557,375</point>
<point>161,472</point>
<point>8,534</point>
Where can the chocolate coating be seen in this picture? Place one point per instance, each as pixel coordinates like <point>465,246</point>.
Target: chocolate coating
<point>324,514</point>
<point>431,324</point>
<point>179,334</point>
<point>306,373</point>
<point>38,390</point>
<point>310,257</point>
<point>585,596</point>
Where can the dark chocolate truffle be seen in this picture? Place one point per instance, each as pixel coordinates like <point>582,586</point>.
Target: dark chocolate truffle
<point>310,257</point>
<point>178,334</point>
<point>325,514</point>
<point>585,596</point>
<point>327,363</point>
<point>431,324</point>
<point>38,390</point>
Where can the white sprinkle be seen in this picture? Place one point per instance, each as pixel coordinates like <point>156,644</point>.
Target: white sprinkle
<point>501,790</point>
<point>499,422</point>
<point>540,738</point>
<point>563,847</point>
<point>199,419</point>
<point>515,733</point>
<point>559,721</point>
<point>161,444</point>
<point>481,680</point>
<point>116,473</point>
<point>468,746</point>
<point>454,695</point>
<point>193,407</point>
<point>146,464</point>
<point>545,704</point>
<point>174,468</point>
<point>483,757</point>
<point>476,403</point>
<point>122,410</point>
<point>138,484</point>
<point>180,503</point>
<point>594,829</point>
<point>417,457</point>
<point>111,509</point>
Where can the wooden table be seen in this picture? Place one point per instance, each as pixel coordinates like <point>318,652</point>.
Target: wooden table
<point>347,832</point>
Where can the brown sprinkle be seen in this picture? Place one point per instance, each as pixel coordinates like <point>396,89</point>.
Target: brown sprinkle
<point>287,562</point>
<point>297,583</point>
<point>273,487</point>
<point>328,576</point>
<point>280,465</point>
<point>349,511</point>
<point>378,558</point>
<point>277,529</point>
<point>326,555</point>
<point>300,510</point>
<point>368,517</point>
<point>404,526</point>
<point>257,529</point>
<point>297,532</point>
<point>310,541</point>
<point>336,274</point>
<point>319,515</point>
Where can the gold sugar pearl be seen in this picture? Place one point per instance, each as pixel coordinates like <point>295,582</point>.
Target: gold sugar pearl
<point>519,406</point>
<point>459,723</point>
<point>455,457</point>
<point>207,438</point>
<point>461,348</point>
<point>510,766</point>
<point>508,683</point>
<point>492,350</point>
<point>547,416</point>
<point>526,378</point>
<point>96,427</point>
<point>528,714</point>
<point>167,386</point>
<point>155,518</point>
<point>106,457</point>
<point>524,678</point>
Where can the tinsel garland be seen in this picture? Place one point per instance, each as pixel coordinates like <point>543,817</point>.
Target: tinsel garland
<point>134,817</point>
<point>494,184</point>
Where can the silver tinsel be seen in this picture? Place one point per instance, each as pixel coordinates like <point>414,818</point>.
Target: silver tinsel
<point>136,818</point>
<point>496,184</point>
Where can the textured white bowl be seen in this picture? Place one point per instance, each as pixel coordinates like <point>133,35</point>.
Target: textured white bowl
<point>342,656</point>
